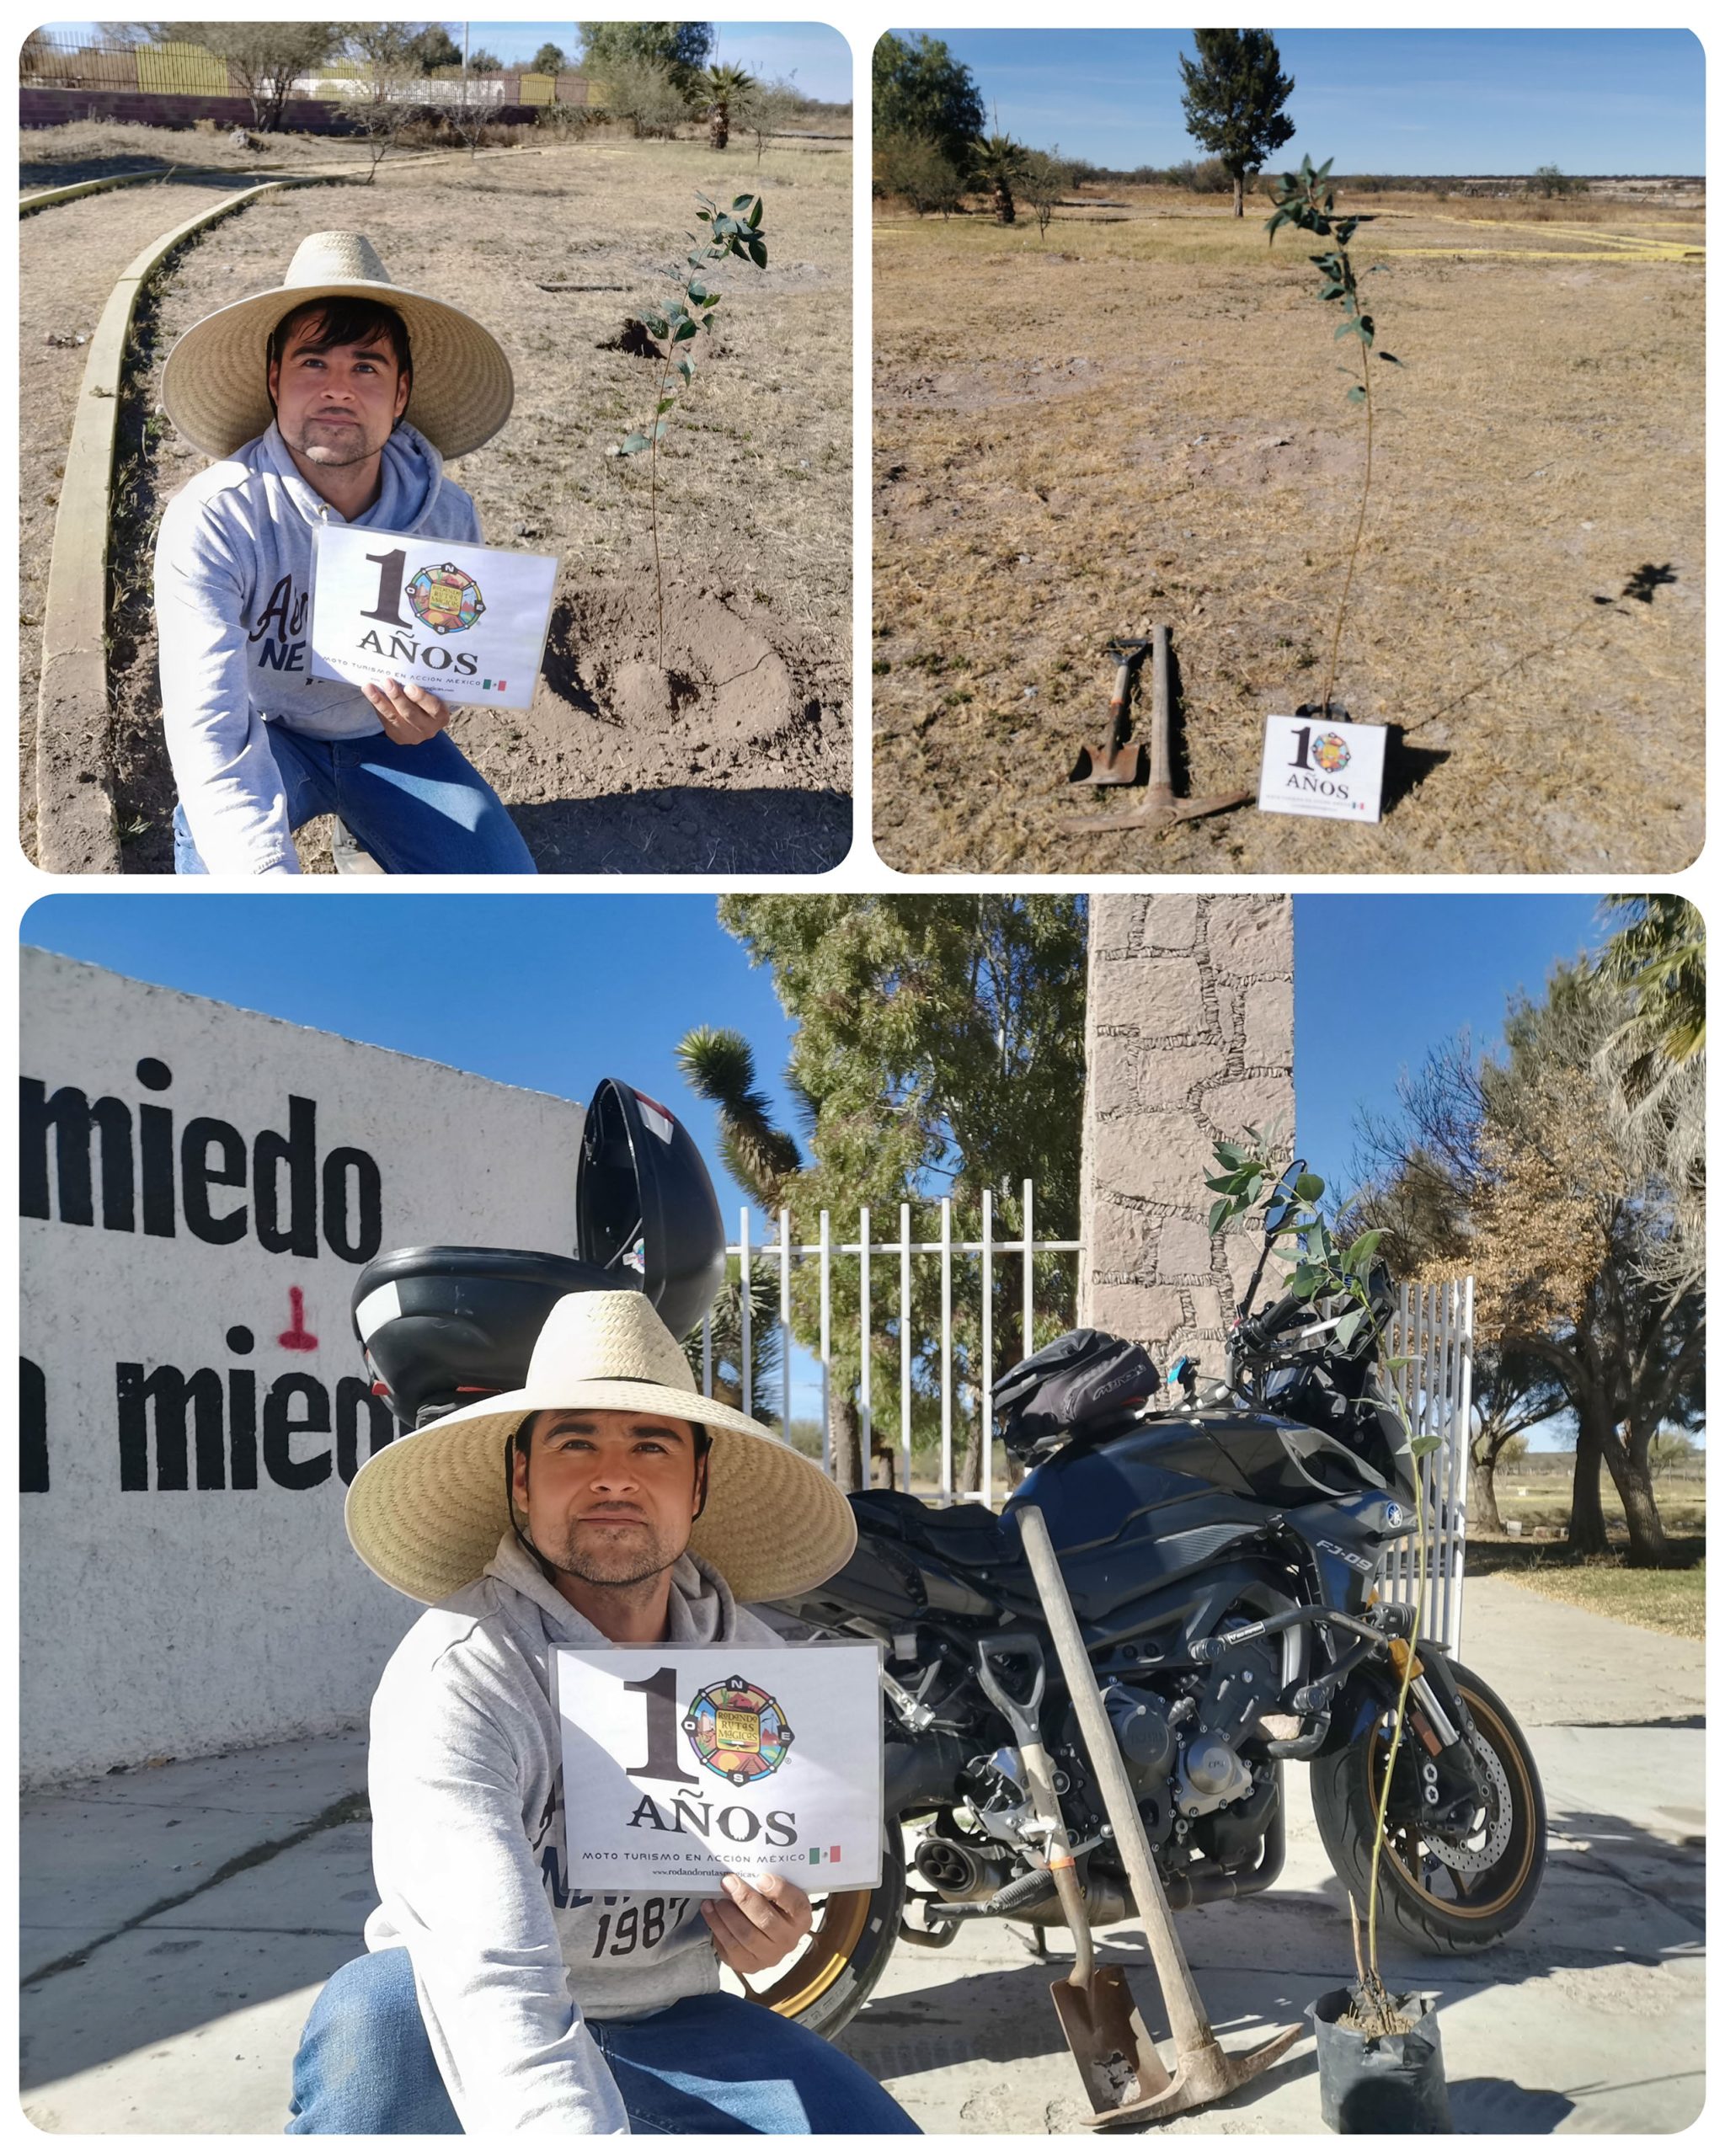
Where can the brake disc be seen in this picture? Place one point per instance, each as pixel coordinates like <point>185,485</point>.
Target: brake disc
<point>1461,1856</point>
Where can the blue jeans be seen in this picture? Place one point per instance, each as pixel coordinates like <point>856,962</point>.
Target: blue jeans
<point>418,810</point>
<point>710,2065</point>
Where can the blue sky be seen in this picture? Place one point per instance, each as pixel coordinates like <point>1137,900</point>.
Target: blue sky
<point>1378,101</point>
<point>555,992</point>
<point>816,54</point>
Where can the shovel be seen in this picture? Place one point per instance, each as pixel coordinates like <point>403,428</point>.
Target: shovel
<point>1116,2058</point>
<point>1116,762</point>
<point>1160,805</point>
<point>1203,2070</point>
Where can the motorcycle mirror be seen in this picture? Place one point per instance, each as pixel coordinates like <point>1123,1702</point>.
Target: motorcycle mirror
<point>1284,1199</point>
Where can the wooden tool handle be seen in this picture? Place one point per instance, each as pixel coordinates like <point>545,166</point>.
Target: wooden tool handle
<point>1161,765</point>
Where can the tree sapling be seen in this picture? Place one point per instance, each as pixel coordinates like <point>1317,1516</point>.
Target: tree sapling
<point>1307,199</point>
<point>733,235</point>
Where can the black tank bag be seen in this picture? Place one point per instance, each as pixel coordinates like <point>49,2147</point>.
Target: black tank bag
<point>1080,1385</point>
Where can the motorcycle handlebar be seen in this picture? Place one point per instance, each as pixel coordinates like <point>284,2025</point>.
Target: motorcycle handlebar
<point>1261,1330</point>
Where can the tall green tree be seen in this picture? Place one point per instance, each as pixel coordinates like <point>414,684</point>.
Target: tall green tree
<point>939,1053</point>
<point>998,165</point>
<point>682,48</point>
<point>263,56</point>
<point>1234,94</point>
<point>920,89</point>
<point>725,91</point>
<point>549,60</point>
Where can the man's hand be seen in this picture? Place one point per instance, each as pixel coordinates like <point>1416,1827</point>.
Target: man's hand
<point>757,1926</point>
<point>408,714</point>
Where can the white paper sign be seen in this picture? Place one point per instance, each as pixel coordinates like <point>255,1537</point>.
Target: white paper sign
<point>683,1762</point>
<point>467,622</point>
<point>1321,767</point>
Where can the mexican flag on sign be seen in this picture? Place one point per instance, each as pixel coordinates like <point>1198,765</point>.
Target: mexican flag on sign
<point>826,1856</point>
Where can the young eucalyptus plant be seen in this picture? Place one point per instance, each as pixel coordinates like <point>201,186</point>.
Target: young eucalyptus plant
<point>1323,1270</point>
<point>732,235</point>
<point>1307,200</point>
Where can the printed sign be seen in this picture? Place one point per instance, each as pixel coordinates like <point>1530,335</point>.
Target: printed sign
<point>1321,767</point>
<point>681,1763</point>
<point>467,622</point>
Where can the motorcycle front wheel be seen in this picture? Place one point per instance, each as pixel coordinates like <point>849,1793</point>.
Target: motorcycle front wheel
<point>1449,1895</point>
<point>844,1956</point>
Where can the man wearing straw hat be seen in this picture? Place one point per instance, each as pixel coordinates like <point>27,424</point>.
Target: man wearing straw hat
<point>335,398</point>
<point>604,1501</point>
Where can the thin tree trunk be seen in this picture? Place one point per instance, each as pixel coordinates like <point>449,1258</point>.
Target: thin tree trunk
<point>719,132</point>
<point>847,1445</point>
<point>1587,1513</point>
<point>1482,1497</point>
<point>1649,1545</point>
<point>1239,195</point>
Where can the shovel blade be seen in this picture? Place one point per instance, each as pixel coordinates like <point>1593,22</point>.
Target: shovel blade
<point>1117,2062</point>
<point>1101,766</point>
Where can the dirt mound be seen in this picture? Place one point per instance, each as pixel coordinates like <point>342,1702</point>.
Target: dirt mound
<point>722,683</point>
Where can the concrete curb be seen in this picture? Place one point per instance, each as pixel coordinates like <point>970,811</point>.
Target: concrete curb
<point>77,833</point>
<point>46,197</point>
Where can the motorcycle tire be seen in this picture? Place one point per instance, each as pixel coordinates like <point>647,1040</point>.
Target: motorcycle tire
<point>854,1934</point>
<point>1447,1896</point>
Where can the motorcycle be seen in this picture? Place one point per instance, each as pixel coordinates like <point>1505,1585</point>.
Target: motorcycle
<point>1219,1550</point>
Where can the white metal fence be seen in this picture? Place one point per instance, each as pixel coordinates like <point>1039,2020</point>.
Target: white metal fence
<point>884,1284</point>
<point>1434,1327</point>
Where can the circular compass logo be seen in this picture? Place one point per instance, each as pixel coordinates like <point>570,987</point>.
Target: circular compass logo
<point>738,1731</point>
<point>1330,753</point>
<point>446,599</point>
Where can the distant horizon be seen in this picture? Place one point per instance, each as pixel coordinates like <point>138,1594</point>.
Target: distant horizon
<point>1465,103</point>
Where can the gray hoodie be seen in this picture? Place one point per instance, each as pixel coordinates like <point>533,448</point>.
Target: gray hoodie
<point>467,1850</point>
<point>233,586</point>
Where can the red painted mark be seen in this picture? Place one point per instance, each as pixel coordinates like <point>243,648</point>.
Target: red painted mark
<point>296,1337</point>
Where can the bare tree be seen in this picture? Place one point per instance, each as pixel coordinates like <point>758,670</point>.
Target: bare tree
<point>263,56</point>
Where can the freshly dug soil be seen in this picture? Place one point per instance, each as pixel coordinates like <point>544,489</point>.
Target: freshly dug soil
<point>746,767</point>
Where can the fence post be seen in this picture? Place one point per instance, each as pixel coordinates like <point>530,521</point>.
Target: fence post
<point>785,1317</point>
<point>985,1405</point>
<point>827,1342</point>
<point>743,1298</point>
<point>864,1391</point>
<point>946,1350</point>
<point>1029,1276</point>
<point>905,1339</point>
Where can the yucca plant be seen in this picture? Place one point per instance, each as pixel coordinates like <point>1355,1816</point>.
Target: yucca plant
<point>997,164</point>
<point>1307,199</point>
<point>726,90</point>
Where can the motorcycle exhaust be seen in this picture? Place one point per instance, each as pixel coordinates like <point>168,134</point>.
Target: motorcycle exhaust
<point>1203,2071</point>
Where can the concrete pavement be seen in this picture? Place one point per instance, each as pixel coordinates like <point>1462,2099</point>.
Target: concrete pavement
<point>177,1922</point>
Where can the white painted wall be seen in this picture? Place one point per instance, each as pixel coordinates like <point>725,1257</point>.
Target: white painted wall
<point>185,1621</point>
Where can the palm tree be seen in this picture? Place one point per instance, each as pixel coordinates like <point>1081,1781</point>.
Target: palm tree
<point>1659,954</point>
<point>724,88</point>
<point>996,164</point>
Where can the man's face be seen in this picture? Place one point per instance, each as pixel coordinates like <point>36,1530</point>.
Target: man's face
<point>337,405</point>
<point>609,1494</point>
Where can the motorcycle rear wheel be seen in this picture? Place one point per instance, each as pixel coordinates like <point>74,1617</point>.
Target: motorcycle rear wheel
<point>1447,1897</point>
<point>846,1953</point>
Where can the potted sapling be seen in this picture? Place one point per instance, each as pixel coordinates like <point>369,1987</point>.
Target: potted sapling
<point>1307,200</point>
<point>733,235</point>
<point>1380,2061</point>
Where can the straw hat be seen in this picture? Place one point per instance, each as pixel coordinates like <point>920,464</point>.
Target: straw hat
<point>427,1513</point>
<point>215,387</point>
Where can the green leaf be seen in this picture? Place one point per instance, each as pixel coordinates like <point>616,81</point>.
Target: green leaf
<point>742,201</point>
<point>1420,1446</point>
<point>632,446</point>
<point>1309,1187</point>
<point>658,430</point>
<point>686,368</point>
<point>1350,1325</point>
<point>686,330</point>
<point>1389,359</point>
<point>754,214</point>
<point>655,325</point>
<point>666,403</point>
<point>1362,1249</point>
<point>1219,1213</point>
<point>1228,1153</point>
<point>1356,395</point>
<point>757,252</point>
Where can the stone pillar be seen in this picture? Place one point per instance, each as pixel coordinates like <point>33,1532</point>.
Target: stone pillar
<point>1191,1038</point>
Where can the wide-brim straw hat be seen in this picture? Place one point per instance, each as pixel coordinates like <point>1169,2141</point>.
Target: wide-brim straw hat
<point>428,1511</point>
<point>215,387</point>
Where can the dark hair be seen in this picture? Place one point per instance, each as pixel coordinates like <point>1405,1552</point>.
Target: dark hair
<point>343,320</point>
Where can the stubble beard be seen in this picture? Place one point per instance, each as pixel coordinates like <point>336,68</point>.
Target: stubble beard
<point>623,1564</point>
<point>351,445</point>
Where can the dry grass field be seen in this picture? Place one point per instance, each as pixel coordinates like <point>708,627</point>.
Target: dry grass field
<point>755,479</point>
<point>1139,419</point>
